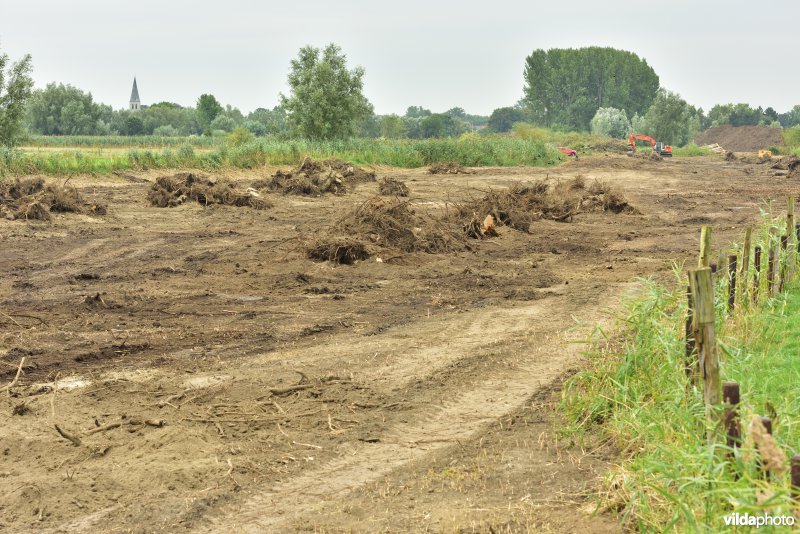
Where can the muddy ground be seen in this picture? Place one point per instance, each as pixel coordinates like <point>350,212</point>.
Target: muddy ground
<point>215,379</point>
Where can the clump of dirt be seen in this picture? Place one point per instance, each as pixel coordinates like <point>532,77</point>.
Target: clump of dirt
<point>448,168</point>
<point>377,223</point>
<point>392,187</point>
<point>522,204</point>
<point>32,198</point>
<point>741,138</point>
<point>315,178</point>
<point>172,191</point>
<point>339,249</point>
<point>730,156</point>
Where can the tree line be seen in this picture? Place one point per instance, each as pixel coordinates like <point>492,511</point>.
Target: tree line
<point>603,90</point>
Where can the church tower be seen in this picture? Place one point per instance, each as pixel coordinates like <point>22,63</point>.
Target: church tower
<point>135,103</point>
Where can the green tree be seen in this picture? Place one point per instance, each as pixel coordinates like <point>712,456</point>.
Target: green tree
<point>670,119</point>
<point>502,119</point>
<point>611,122</point>
<point>564,88</point>
<point>441,125</point>
<point>273,121</point>
<point>16,86</point>
<point>326,99</point>
<point>132,125</point>
<point>790,118</point>
<point>417,112</point>
<point>222,123</point>
<point>183,120</point>
<point>208,108</point>
<point>393,127</point>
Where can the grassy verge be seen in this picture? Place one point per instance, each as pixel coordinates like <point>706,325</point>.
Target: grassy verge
<point>635,392</point>
<point>470,151</point>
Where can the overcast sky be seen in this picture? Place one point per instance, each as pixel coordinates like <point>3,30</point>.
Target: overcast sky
<point>438,55</point>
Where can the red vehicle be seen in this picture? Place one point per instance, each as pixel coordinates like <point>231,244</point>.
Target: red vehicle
<point>568,151</point>
<point>658,147</point>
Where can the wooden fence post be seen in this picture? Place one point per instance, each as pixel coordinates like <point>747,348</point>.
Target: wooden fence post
<point>731,282</point>
<point>757,273</point>
<point>705,247</point>
<point>783,262</point>
<point>733,429</point>
<point>705,337</point>
<point>745,266</point>
<point>772,259</point>
<point>689,336</point>
<point>797,236</point>
<point>767,422</point>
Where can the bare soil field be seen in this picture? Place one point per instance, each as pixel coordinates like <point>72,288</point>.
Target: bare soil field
<point>205,375</point>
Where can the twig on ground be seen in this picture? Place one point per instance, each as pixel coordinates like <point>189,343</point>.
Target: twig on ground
<point>66,435</point>
<point>16,377</point>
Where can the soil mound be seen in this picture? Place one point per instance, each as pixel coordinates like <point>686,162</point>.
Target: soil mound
<point>523,204</point>
<point>447,168</point>
<point>171,191</point>
<point>32,198</point>
<point>315,178</point>
<point>741,138</point>
<point>384,224</point>
<point>392,187</point>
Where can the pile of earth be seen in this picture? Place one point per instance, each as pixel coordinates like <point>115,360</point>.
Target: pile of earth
<point>741,138</point>
<point>315,178</point>
<point>522,204</point>
<point>447,168</point>
<point>172,191</point>
<point>790,164</point>
<point>393,187</point>
<point>378,223</point>
<point>32,198</point>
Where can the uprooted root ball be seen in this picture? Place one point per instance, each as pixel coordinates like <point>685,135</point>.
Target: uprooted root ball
<point>171,191</point>
<point>315,178</point>
<point>32,198</point>
<point>384,224</point>
<point>392,187</point>
<point>522,204</point>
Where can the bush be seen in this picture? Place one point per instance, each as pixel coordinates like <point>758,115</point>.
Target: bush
<point>611,122</point>
<point>240,136</point>
<point>791,136</point>
<point>166,130</point>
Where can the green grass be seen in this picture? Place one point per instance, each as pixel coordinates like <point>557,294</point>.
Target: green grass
<point>121,141</point>
<point>470,150</point>
<point>635,393</point>
<point>691,150</point>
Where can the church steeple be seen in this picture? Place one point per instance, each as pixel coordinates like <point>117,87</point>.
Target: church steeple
<point>135,103</point>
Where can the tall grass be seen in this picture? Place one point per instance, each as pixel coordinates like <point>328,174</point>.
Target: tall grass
<point>635,392</point>
<point>468,151</point>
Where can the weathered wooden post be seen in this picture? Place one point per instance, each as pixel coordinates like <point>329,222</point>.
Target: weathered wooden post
<point>783,262</point>
<point>733,429</point>
<point>757,273</point>
<point>772,262</point>
<point>705,337</point>
<point>705,247</point>
<point>767,423</point>
<point>731,282</point>
<point>797,237</point>
<point>744,268</point>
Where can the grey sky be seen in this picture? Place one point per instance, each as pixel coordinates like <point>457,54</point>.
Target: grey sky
<point>434,54</point>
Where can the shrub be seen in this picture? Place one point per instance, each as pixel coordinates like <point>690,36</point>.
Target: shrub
<point>611,122</point>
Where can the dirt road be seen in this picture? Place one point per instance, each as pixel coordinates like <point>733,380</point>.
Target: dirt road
<point>218,380</point>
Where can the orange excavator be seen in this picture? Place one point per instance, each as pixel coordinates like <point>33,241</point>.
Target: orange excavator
<point>658,147</point>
